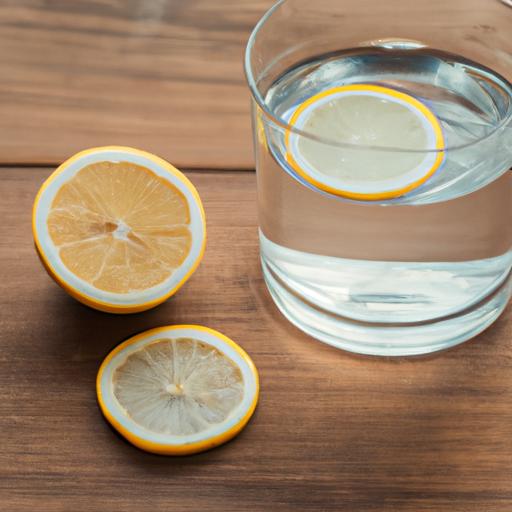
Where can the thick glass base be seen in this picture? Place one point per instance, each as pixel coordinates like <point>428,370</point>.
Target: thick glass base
<point>387,339</point>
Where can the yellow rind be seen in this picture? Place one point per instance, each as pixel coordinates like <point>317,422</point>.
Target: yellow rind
<point>378,195</point>
<point>86,299</point>
<point>186,449</point>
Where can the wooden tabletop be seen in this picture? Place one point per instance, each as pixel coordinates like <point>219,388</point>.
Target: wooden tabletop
<point>165,75</point>
<point>333,431</point>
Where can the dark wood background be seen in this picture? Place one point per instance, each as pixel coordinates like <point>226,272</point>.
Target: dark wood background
<point>333,431</point>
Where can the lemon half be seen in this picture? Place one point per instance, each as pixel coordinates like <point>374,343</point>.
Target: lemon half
<point>178,390</point>
<point>119,229</point>
<point>372,116</point>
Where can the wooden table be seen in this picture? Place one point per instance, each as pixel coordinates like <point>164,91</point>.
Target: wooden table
<point>332,431</point>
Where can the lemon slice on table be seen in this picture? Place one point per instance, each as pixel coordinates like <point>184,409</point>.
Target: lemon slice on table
<point>365,115</point>
<point>178,390</point>
<point>119,229</point>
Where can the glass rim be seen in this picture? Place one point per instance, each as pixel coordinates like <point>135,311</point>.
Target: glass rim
<point>284,124</point>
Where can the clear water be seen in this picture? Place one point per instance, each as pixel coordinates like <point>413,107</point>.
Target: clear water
<point>411,274</point>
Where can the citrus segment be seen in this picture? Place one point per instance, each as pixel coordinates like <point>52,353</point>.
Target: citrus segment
<point>119,228</point>
<point>178,389</point>
<point>178,386</point>
<point>367,123</point>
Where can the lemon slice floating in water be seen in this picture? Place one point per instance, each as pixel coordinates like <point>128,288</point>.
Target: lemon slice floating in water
<point>368,116</point>
<point>119,229</point>
<point>178,390</point>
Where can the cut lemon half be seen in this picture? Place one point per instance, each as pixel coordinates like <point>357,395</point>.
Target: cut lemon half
<point>377,118</point>
<point>119,229</point>
<point>178,390</point>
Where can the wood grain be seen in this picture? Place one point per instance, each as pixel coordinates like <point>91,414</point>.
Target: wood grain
<point>332,431</point>
<point>165,76</point>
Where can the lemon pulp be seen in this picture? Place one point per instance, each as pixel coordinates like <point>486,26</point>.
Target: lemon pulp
<point>368,123</point>
<point>177,390</point>
<point>120,227</point>
<point>178,386</point>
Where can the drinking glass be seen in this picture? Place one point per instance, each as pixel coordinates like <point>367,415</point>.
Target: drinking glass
<point>404,273</point>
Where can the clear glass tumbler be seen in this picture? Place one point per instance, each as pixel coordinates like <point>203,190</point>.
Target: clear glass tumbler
<point>383,143</point>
